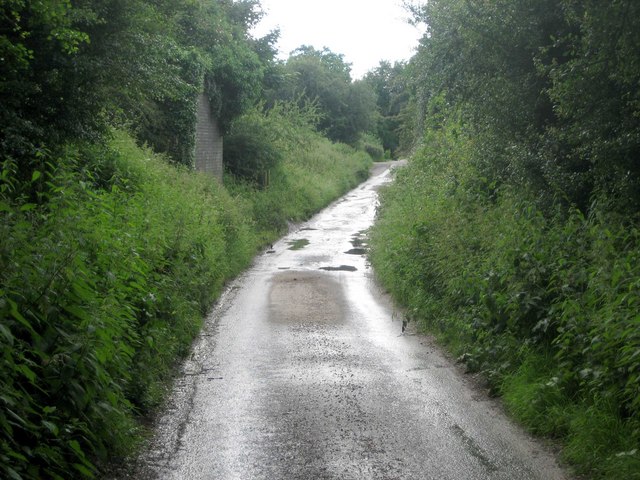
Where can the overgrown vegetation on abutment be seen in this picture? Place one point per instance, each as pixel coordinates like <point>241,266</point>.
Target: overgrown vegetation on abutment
<point>512,234</point>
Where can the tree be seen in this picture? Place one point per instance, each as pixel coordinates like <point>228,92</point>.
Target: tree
<point>72,69</point>
<point>392,95</point>
<point>548,88</point>
<point>593,69</point>
<point>321,76</point>
<point>39,45</point>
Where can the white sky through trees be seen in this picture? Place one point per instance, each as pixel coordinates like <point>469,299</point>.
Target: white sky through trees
<point>364,31</point>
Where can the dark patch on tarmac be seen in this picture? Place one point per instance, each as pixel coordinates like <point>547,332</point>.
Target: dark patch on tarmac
<point>298,244</point>
<point>473,448</point>
<point>341,268</point>
<point>356,251</point>
<point>359,239</point>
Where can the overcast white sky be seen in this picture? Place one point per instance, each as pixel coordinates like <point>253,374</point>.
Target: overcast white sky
<point>364,31</point>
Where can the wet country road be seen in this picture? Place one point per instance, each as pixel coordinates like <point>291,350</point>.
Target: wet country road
<point>302,373</point>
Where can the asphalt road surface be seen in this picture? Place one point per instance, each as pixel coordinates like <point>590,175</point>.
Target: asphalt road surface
<point>302,372</point>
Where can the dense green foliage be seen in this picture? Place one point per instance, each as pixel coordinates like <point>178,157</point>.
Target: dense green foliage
<point>513,233</point>
<point>346,108</point>
<point>102,287</point>
<point>106,284</point>
<point>72,69</point>
<point>389,84</point>
<point>259,140</point>
<point>550,89</point>
<point>111,254</point>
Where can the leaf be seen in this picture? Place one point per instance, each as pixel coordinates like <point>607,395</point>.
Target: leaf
<point>21,421</point>
<point>27,372</point>
<point>77,312</point>
<point>7,400</point>
<point>13,474</point>
<point>27,207</point>
<point>4,330</point>
<point>18,316</point>
<point>75,446</point>
<point>55,476</point>
<point>84,470</point>
<point>52,427</point>
<point>17,455</point>
<point>36,175</point>
<point>6,426</point>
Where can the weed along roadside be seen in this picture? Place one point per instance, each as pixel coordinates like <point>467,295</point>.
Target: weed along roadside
<point>544,307</point>
<point>512,234</point>
<point>304,371</point>
<point>145,248</point>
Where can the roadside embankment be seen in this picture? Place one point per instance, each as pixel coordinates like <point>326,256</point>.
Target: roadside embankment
<point>544,304</point>
<point>104,284</point>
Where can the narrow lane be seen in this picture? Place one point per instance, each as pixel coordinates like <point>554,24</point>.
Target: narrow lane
<point>302,372</point>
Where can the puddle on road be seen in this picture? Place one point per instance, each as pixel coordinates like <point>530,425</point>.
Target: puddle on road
<point>298,244</point>
<point>341,268</point>
<point>359,240</point>
<point>306,298</point>
<point>356,251</point>
<point>308,229</point>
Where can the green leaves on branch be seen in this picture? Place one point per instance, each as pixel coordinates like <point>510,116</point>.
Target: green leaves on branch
<point>347,109</point>
<point>72,69</point>
<point>550,91</point>
<point>390,84</point>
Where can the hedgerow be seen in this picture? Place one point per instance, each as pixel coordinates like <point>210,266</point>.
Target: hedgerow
<point>104,282</point>
<point>543,303</point>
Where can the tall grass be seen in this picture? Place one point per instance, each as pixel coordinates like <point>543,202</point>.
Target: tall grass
<point>105,282</point>
<point>545,304</point>
<point>311,170</point>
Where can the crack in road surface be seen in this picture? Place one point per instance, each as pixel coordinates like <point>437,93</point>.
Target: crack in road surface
<point>302,372</point>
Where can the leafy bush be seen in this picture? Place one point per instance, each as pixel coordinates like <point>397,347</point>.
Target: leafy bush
<point>347,108</point>
<point>307,173</point>
<point>372,146</point>
<point>545,305</point>
<point>102,287</point>
<point>249,153</point>
<point>104,284</point>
